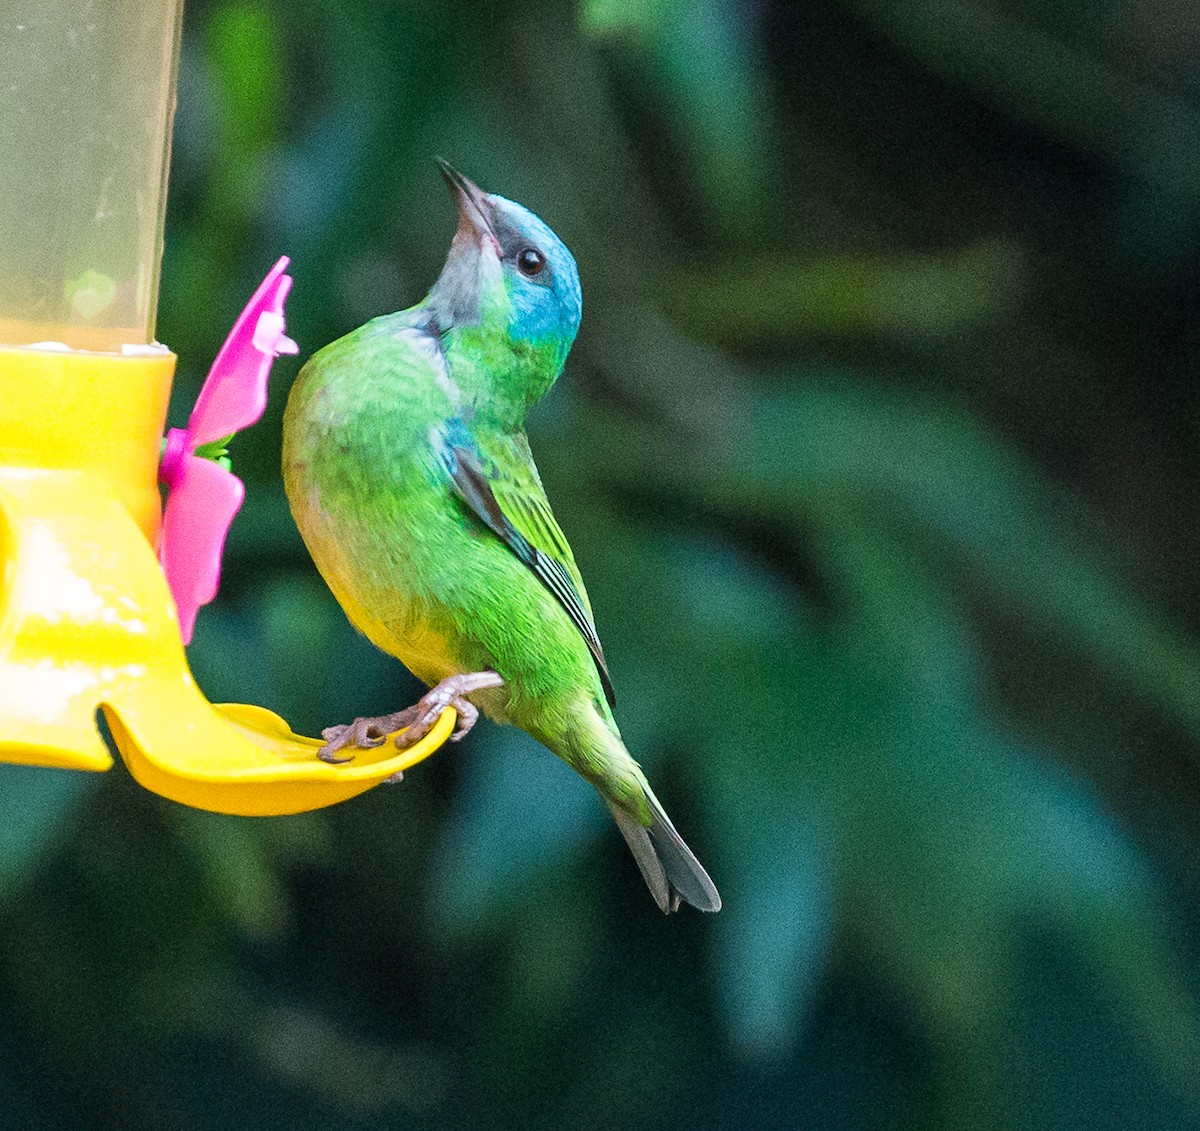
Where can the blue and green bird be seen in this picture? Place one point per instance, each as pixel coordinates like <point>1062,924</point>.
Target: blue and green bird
<point>410,477</point>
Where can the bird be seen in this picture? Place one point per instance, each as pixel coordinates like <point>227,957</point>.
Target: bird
<point>410,477</point>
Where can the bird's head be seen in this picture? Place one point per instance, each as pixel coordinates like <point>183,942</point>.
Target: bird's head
<point>507,269</point>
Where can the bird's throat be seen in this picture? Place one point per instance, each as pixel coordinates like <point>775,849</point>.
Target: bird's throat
<point>500,378</point>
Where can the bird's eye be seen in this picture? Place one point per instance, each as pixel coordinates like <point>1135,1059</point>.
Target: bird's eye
<point>531,262</point>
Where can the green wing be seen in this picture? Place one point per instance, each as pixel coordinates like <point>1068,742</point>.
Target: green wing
<point>499,482</point>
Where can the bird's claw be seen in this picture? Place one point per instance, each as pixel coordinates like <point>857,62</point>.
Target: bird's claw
<point>363,734</point>
<point>451,692</point>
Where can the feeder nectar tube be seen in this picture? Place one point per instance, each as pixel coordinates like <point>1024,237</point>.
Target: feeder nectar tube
<point>87,621</point>
<point>86,104</point>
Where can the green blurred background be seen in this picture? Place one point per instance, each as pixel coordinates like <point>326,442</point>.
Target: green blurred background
<point>877,451</point>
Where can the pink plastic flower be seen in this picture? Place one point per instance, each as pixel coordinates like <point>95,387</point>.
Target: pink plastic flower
<point>202,495</point>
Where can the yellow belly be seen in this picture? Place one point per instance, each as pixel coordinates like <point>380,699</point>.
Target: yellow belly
<point>424,652</point>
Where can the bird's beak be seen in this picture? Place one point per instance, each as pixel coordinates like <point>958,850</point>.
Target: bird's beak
<point>474,208</point>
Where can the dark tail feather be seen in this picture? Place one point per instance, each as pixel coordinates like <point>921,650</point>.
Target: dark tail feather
<point>671,871</point>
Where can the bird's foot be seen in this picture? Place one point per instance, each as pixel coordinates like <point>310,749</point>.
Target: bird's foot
<point>418,719</point>
<point>362,734</point>
<point>451,692</point>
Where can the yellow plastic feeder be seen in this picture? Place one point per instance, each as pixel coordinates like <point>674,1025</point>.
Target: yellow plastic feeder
<point>88,620</point>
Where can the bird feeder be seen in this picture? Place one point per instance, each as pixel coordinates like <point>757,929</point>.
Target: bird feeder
<point>97,592</point>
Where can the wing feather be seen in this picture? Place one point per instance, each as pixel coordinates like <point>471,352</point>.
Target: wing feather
<point>504,490</point>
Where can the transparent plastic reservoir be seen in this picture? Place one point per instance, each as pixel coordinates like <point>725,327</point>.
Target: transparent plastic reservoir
<point>87,97</point>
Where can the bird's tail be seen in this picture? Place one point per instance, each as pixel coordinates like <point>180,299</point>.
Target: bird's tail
<point>592,745</point>
<point>669,867</point>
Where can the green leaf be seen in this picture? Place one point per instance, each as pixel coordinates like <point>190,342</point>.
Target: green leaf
<point>909,299</point>
<point>707,56</point>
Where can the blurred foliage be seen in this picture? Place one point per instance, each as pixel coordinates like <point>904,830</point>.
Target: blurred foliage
<point>877,453</point>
